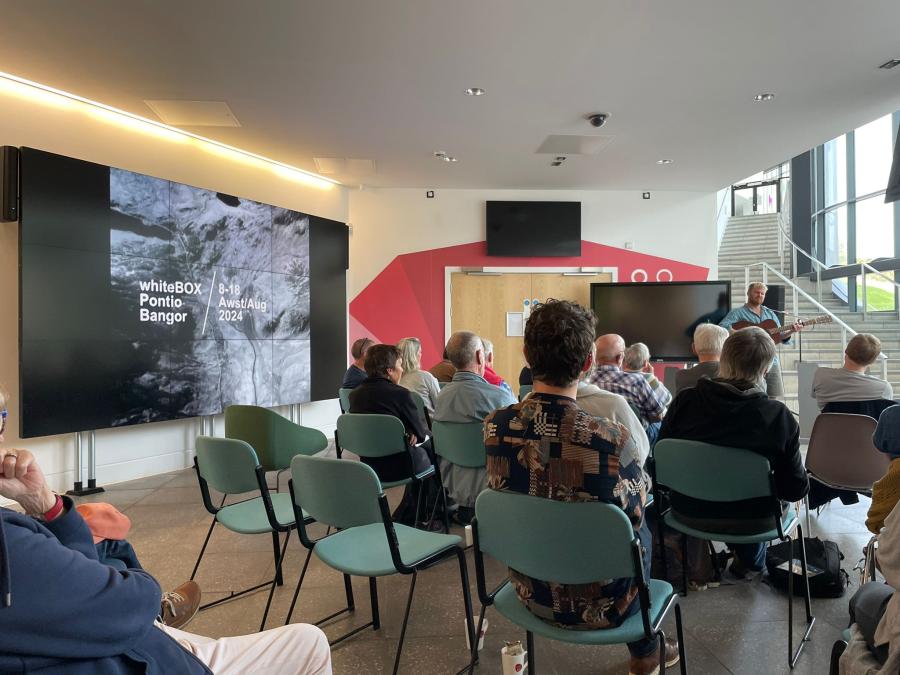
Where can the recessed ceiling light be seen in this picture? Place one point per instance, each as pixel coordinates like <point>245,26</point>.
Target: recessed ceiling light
<point>762,98</point>
<point>556,163</point>
<point>440,154</point>
<point>448,158</point>
<point>887,65</point>
<point>474,91</point>
<point>664,161</point>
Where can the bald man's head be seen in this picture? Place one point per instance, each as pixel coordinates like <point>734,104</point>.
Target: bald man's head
<point>610,350</point>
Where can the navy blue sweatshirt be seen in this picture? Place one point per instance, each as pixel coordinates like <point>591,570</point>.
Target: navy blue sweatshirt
<point>72,614</point>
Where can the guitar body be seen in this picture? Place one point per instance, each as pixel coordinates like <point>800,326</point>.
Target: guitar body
<point>768,325</point>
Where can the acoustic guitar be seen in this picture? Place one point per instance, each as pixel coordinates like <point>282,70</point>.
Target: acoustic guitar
<point>781,333</point>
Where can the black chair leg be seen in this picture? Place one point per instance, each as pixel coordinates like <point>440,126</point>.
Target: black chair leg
<point>348,590</point>
<point>661,535</point>
<point>810,619</point>
<point>373,597</point>
<point>529,642</point>
<point>412,588</point>
<point>276,546</point>
<point>299,584</point>
<point>790,594</point>
<point>421,488</point>
<point>203,548</point>
<point>467,598</point>
<point>662,652</point>
<point>473,659</point>
<point>682,652</point>
<point>278,562</point>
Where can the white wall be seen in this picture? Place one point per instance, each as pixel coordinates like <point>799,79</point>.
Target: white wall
<point>132,452</point>
<point>389,222</point>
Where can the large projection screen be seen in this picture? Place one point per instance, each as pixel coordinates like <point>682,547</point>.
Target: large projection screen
<point>144,300</point>
<point>662,315</point>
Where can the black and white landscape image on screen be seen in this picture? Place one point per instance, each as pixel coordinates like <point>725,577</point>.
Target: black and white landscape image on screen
<point>214,291</point>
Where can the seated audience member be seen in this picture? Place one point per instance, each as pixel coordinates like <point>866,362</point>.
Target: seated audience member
<point>636,390</point>
<point>525,376</point>
<point>600,403</point>
<point>381,394</point>
<point>886,491</point>
<point>443,371</point>
<point>356,372</point>
<point>637,360</point>
<point>414,378</point>
<point>468,398</point>
<point>707,345</point>
<point>734,411</point>
<point>62,610</point>
<point>547,446</point>
<point>850,382</point>
<point>489,375</point>
<point>874,646</point>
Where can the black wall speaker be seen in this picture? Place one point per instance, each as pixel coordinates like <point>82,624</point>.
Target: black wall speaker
<point>775,299</point>
<point>9,183</point>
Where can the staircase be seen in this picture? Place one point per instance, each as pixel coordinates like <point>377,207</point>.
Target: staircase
<point>751,239</point>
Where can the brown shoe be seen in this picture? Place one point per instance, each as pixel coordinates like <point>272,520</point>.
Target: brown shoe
<point>179,606</point>
<point>649,665</point>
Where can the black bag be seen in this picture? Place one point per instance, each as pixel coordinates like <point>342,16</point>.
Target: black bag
<point>823,564</point>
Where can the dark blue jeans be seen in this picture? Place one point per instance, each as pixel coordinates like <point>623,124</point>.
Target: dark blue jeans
<point>117,553</point>
<point>646,646</point>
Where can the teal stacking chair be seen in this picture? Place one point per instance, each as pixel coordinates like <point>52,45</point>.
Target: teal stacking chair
<point>685,467</point>
<point>348,496</point>
<point>566,543</point>
<point>374,436</point>
<point>461,443</point>
<point>274,438</point>
<point>423,411</point>
<point>344,397</point>
<point>524,390</point>
<point>231,466</point>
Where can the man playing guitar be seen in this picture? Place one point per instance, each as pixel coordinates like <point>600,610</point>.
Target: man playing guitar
<point>754,312</point>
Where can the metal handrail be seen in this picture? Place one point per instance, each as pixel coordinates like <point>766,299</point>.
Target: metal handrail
<point>845,329</point>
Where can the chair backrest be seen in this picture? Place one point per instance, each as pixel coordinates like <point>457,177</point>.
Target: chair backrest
<point>337,492</point>
<point>669,375</point>
<point>420,406</point>
<point>562,542</point>
<point>841,452</point>
<point>713,473</point>
<point>524,390</point>
<point>344,397</point>
<point>227,464</point>
<point>274,438</point>
<point>460,443</point>
<point>371,435</point>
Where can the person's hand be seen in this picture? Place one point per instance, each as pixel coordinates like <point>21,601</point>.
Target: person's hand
<point>797,327</point>
<point>22,480</point>
<point>648,367</point>
<point>411,439</point>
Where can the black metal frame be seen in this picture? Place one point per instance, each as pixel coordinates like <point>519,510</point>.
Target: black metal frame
<point>278,550</point>
<point>778,516</point>
<point>401,568</point>
<point>651,630</point>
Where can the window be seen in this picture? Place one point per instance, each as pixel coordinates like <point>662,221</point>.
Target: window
<point>873,150</point>
<point>835,160</point>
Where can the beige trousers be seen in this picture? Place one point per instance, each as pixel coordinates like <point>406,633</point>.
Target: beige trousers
<point>295,649</point>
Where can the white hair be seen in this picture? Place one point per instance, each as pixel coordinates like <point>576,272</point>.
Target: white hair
<point>488,346</point>
<point>709,338</point>
<point>636,356</point>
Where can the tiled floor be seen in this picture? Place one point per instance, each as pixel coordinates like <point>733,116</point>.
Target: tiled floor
<point>739,627</point>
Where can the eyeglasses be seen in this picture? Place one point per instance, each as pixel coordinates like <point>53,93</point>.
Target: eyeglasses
<point>3,415</point>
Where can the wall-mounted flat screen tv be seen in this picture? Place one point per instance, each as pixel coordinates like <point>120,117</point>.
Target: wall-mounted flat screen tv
<point>533,229</point>
<point>661,315</point>
<point>143,299</point>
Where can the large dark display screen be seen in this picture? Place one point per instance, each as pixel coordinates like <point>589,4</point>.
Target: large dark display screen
<point>146,300</point>
<point>520,229</point>
<point>661,315</point>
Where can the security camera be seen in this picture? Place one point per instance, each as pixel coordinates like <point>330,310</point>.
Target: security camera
<point>597,119</point>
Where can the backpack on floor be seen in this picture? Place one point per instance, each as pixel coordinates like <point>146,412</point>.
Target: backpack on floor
<point>823,563</point>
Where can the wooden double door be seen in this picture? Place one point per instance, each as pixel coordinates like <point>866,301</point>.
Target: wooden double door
<point>480,302</point>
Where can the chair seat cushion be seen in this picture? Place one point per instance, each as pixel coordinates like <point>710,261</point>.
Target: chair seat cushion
<point>406,481</point>
<point>632,629</point>
<point>363,551</point>
<point>787,524</point>
<point>249,517</point>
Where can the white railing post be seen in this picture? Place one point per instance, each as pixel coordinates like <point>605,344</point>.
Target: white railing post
<point>746,277</point>
<point>884,367</point>
<point>765,273</point>
<point>796,302</point>
<point>843,339</point>
<point>781,247</point>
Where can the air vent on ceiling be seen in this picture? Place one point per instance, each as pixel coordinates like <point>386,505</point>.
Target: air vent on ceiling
<point>893,63</point>
<point>570,144</point>
<point>194,113</point>
<point>331,166</point>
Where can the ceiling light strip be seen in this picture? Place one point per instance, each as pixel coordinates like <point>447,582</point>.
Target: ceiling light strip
<point>46,95</point>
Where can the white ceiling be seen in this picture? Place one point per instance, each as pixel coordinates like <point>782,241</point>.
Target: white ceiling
<point>384,79</point>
